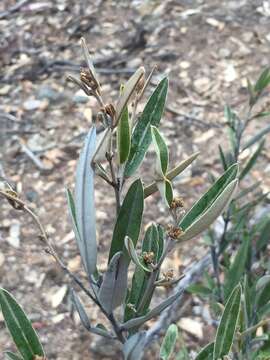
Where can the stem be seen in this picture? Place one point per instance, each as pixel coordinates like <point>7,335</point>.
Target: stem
<point>255,327</point>
<point>50,250</point>
<point>152,278</point>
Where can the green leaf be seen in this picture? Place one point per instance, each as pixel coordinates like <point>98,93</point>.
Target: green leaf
<point>11,356</point>
<point>129,218</point>
<point>209,216</point>
<point>227,325</point>
<point>151,241</point>
<point>133,255</point>
<point>222,158</point>
<point>251,161</point>
<point>128,90</point>
<point>209,197</point>
<point>123,137</point>
<point>112,291</point>
<point>72,213</point>
<point>206,353</point>
<point>161,151</point>
<point>168,342</point>
<point>263,238</point>
<point>20,328</point>
<point>237,268</point>
<point>85,204</point>
<point>152,188</point>
<point>141,137</point>
<point>161,239</point>
<point>263,81</point>
<point>257,137</point>
<point>261,114</point>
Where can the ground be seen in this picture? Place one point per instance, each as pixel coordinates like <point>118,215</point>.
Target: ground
<point>207,48</point>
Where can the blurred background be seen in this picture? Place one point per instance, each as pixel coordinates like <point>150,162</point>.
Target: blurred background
<point>208,48</point>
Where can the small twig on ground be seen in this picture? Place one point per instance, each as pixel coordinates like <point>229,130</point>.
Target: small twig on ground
<point>35,159</point>
<point>13,9</point>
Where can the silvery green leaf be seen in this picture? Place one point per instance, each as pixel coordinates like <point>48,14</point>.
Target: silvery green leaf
<point>264,280</point>
<point>85,204</point>
<point>134,346</point>
<point>161,151</point>
<point>128,90</point>
<point>141,136</point>
<point>102,144</point>
<point>168,342</point>
<point>263,81</point>
<point>227,325</point>
<point>80,309</point>
<point>100,331</point>
<point>136,322</point>
<point>133,255</point>
<point>152,188</point>
<point>166,191</point>
<point>20,327</point>
<point>209,197</point>
<point>210,215</point>
<point>113,288</point>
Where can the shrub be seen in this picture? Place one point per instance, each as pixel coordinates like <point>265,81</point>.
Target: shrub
<point>114,155</point>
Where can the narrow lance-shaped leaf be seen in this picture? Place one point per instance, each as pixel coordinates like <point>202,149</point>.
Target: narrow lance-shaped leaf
<point>141,137</point>
<point>129,218</point>
<point>20,328</point>
<point>161,151</point>
<point>252,160</point>
<point>209,197</point>
<point>237,268</point>
<point>257,137</point>
<point>206,353</point>
<point>123,137</point>
<point>80,309</point>
<point>168,342</point>
<point>152,188</point>
<point>133,255</point>
<point>133,323</point>
<point>211,214</point>
<point>113,288</point>
<point>11,356</point>
<point>263,81</point>
<point>227,325</point>
<point>128,90</point>
<point>85,204</point>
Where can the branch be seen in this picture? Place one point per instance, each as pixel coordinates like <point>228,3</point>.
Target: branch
<point>167,316</point>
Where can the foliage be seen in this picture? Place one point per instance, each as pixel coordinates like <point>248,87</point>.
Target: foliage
<point>115,155</point>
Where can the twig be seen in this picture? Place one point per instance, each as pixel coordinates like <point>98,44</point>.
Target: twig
<point>166,317</point>
<point>13,9</point>
<point>35,159</point>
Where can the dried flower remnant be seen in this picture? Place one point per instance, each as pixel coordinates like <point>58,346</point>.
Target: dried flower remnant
<point>148,257</point>
<point>174,232</point>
